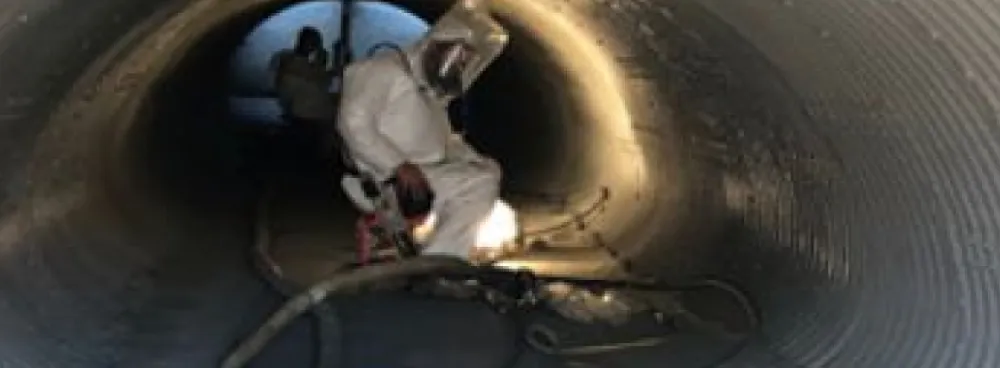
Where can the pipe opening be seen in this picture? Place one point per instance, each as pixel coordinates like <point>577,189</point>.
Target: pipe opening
<point>520,112</point>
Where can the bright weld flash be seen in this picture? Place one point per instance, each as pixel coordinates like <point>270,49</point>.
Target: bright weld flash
<point>422,233</point>
<point>499,229</point>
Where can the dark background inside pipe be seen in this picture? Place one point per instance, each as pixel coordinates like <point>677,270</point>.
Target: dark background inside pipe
<point>848,153</point>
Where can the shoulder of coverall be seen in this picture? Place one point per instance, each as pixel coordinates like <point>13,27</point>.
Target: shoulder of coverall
<point>384,70</point>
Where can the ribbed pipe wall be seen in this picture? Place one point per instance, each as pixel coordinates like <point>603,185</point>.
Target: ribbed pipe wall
<point>901,97</point>
<point>843,156</point>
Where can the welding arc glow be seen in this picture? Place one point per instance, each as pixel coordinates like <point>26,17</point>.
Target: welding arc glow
<point>498,230</point>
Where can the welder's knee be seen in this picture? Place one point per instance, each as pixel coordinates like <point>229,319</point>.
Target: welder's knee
<point>487,180</point>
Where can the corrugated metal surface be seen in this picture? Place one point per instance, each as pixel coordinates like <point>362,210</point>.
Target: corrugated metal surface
<point>871,236</point>
<point>854,143</point>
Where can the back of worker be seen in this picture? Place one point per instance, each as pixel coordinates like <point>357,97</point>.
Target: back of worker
<point>394,123</point>
<point>380,94</point>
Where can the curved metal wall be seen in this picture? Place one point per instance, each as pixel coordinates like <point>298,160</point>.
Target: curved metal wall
<point>858,146</point>
<point>853,143</point>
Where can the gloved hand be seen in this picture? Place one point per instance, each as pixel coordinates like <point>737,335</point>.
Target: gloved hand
<point>413,190</point>
<point>409,177</point>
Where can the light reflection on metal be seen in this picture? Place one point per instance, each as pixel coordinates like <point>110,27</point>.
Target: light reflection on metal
<point>615,157</point>
<point>583,305</point>
<point>561,265</point>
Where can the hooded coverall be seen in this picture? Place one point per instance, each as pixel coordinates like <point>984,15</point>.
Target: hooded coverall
<point>388,117</point>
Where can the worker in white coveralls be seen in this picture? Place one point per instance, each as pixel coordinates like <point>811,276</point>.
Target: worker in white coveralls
<point>394,123</point>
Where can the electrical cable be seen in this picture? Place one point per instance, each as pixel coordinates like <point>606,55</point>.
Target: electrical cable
<point>753,319</point>
<point>544,339</point>
<point>383,45</point>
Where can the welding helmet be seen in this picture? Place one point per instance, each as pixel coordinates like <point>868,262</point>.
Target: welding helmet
<point>459,47</point>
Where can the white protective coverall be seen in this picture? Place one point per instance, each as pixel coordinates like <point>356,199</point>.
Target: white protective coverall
<point>388,117</point>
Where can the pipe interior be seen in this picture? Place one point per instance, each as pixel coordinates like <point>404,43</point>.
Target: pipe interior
<point>837,159</point>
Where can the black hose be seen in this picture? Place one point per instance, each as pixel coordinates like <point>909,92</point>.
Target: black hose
<point>352,280</point>
<point>536,336</point>
<point>324,317</point>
